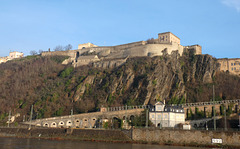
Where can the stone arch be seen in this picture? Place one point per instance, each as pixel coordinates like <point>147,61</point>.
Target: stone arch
<point>38,125</point>
<point>61,124</point>
<point>77,54</point>
<point>46,125</point>
<point>93,121</point>
<point>53,124</point>
<point>77,123</point>
<point>116,123</point>
<point>85,123</point>
<point>131,118</point>
<point>69,123</point>
<point>159,125</point>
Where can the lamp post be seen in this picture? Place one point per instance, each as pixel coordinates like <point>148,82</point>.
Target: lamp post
<point>214,113</point>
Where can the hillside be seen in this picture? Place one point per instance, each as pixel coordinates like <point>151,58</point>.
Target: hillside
<point>54,89</point>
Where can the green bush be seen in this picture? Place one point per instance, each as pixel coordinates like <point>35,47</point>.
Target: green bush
<point>65,73</point>
<point>59,59</point>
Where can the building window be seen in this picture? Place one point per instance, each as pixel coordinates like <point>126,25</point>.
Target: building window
<point>234,68</point>
<point>152,115</point>
<point>232,64</point>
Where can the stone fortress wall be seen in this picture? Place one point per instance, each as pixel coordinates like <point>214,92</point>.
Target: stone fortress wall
<point>114,56</point>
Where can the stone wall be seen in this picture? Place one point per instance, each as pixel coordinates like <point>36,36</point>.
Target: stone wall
<point>84,120</point>
<point>196,48</point>
<point>71,53</point>
<point>80,134</point>
<point>185,136</point>
<point>230,65</point>
<point>129,45</point>
<point>109,63</point>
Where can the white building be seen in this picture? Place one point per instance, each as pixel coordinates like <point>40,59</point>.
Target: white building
<point>13,55</point>
<point>166,116</point>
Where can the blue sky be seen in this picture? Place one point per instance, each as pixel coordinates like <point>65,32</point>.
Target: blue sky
<point>27,25</point>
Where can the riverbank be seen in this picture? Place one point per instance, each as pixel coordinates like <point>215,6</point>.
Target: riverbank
<point>138,136</point>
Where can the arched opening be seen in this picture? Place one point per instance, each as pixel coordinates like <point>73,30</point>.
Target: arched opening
<point>195,125</point>
<point>78,54</point>
<point>132,118</point>
<point>116,123</point>
<point>54,124</point>
<point>159,124</point>
<point>69,123</point>
<point>61,124</point>
<point>46,125</point>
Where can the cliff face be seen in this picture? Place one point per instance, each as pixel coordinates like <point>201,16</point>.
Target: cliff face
<point>54,89</point>
<point>145,80</point>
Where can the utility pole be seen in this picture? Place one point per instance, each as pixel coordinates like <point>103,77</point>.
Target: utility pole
<point>9,117</point>
<point>72,116</point>
<point>214,113</point>
<point>146,118</point>
<point>225,118</point>
<point>31,117</point>
<point>125,117</point>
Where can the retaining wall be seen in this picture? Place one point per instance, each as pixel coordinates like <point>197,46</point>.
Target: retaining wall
<point>185,136</point>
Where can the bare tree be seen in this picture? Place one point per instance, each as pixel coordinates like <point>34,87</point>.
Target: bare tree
<point>33,52</point>
<point>151,41</point>
<point>40,51</point>
<point>58,48</point>
<point>68,47</point>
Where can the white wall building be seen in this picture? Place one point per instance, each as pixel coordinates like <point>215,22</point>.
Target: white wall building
<point>166,116</point>
<point>13,55</point>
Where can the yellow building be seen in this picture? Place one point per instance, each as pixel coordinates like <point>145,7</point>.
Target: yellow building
<point>229,65</point>
<point>168,37</point>
<point>13,55</point>
<point>3,59</point>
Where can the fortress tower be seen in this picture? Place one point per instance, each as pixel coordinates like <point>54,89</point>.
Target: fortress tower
<point>168,38</point>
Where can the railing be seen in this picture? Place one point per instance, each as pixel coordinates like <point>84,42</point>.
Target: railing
<point>109,109</point>
<point>209,103</point>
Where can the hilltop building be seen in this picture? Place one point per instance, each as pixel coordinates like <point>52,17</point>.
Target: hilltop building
<point>162,115</point>
<point>3,59</point>
<point>166,43</point>
<point>86,45</point>
<point>229,65</point>
<point>12,55</point>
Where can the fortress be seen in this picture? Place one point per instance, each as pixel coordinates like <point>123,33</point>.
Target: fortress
<point>12,55</point>
<point>114,56</point>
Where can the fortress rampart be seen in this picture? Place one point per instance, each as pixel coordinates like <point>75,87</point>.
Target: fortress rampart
<point>104,56</point>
